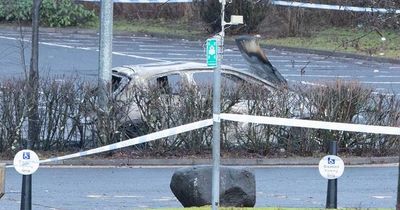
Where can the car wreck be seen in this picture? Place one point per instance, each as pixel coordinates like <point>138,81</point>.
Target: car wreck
<point>168,76</point>
<point>260,70</point>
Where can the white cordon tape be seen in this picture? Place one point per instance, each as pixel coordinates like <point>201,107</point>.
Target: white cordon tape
<point>334,7</point>
<point>134,141</point>
<point>279,3</point>
<point>312,124</point>
<point>216,118</point>
<point>238,118</point>
<point>144,1</point>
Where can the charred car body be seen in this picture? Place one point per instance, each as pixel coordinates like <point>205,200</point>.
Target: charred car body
<point>169,75</point>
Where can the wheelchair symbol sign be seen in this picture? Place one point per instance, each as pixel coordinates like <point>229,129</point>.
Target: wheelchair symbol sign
<point>26,162</point>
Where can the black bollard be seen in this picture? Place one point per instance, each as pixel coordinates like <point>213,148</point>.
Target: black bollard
<point>26,193</point>
<point>331,197</point>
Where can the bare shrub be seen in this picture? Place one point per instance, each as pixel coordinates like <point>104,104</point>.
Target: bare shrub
<point>70,118</point>
<point>161,109</point>
<point>57,108</point>
<point>339,101</point>
<point>259,138</point>
<point>384,110</point>
<point>12,115</point>
<point>350,102</point>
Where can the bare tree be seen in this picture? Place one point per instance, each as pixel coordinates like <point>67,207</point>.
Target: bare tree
<point>33,79</point>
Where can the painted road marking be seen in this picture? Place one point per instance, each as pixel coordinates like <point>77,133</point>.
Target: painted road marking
<point>82,48</point>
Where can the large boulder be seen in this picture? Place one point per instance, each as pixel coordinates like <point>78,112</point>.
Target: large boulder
<point>192,186</point>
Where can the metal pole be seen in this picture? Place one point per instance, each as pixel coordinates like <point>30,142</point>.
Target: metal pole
<point>216,115</point>
<point>398,187</point>
<point>2,179</point>
<point>331,198</point>
<point>33,116</point>
<point>26,193</point>
<point>105,52</point>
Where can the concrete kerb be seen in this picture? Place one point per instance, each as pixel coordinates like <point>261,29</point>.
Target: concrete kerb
<point>256,162</point>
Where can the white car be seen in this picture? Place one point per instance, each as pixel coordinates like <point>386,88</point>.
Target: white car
<point>169,75</point>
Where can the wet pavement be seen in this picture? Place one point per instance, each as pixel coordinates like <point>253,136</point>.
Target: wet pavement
<point>133,188</point>
<point>73,54</point>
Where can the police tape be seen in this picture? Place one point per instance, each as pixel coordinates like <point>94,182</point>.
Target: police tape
<point>134,141</point>
<point>279,3</point>
<point>143,1</point>
<point>334,7</point>
<point>312,124</point>
<point>237,118</point>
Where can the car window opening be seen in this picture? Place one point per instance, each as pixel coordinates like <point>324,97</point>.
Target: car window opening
<point>168,84</point>
<point>115,81</point>
<point>118,83</point>
<point>162,84</point>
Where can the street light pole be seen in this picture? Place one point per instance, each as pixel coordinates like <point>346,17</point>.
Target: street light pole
<point>235,20</point>
<point>105,52</point>
<point>216,114</point>
<point>398,187</point>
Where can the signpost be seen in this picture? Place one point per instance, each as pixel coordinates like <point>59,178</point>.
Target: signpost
<point>215,46</point>
<point>331,167</point>
<point>26,162</point>
<point>212,52</point>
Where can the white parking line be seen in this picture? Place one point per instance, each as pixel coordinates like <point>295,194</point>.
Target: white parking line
<point>169,50</point>
<point>137,56</point>
<point>387,76</point>
<point>184,59</point>
<point>382,83</point>
<point>321,76</point>
<point>177,54</point>
<point>82,48</point>
<point>128,196</point>
<point>158,46</point>
<point>143,53</point>
<point>382,196</point>
<point>297,65</point>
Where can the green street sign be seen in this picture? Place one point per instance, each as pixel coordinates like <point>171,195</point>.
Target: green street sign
<point>212,52</point>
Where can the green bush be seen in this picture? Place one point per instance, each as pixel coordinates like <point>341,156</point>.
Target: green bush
<point>16,10</point>
<point>54,13</point>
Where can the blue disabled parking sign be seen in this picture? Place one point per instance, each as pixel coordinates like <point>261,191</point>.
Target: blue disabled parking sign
<point>26,155</point>
<point>26,162</point>
<point>331,167</point>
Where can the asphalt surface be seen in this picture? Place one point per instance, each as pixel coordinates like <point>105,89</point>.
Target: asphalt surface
<point>135,188</point>
<point>76,54</point>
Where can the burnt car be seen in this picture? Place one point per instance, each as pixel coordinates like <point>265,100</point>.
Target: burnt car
<point>169,75</point>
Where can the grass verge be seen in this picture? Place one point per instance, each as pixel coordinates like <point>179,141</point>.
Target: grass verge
<point>374,43</point>
<point>160,28</point>
<point>370,42</point>
<point>359,41</point>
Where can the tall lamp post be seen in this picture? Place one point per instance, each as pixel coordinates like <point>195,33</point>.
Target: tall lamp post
<point>235,20</point>
<point>105,52</point>
<point>398,187</point>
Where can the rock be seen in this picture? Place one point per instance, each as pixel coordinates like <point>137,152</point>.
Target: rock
<point>192,186</point>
